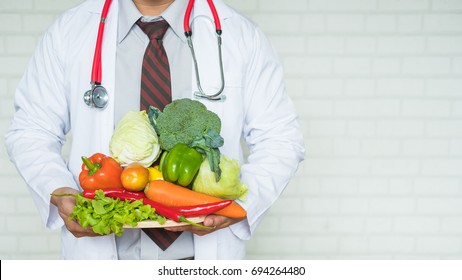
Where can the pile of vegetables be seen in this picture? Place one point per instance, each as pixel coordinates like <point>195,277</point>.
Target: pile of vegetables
<point>107,209</point>
<point>162,165</point>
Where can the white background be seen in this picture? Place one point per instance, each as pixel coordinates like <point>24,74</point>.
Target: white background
<point>378,86</point>
<point>249,269</point>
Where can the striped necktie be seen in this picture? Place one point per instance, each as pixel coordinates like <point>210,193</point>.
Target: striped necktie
<point>156,91</point>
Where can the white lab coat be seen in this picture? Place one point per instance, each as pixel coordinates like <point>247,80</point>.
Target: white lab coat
<point>49,103</point>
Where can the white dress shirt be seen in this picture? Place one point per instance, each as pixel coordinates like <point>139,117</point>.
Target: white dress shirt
<point>132,43</point>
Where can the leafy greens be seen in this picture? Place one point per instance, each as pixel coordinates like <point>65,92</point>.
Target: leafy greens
<point>105,215</point>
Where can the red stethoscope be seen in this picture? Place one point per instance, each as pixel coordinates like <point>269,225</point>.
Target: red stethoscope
<point>97,96</point>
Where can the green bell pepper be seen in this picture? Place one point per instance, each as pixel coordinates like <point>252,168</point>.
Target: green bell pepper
<point>181,164</point>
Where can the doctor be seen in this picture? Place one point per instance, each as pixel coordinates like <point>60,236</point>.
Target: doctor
<point>49,106</point>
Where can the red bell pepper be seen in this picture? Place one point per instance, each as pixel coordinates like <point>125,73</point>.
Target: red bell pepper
<point>100,172</point>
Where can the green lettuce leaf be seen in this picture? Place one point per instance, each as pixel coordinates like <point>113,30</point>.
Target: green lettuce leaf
<point>106,215</point>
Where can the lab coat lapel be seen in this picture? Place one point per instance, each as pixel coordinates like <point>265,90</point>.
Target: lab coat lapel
<point>108,79</point>
<point>85,120</point>
<point>101,122</point>
<point>101,132</point>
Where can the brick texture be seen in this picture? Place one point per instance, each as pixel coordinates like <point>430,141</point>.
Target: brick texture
<point>377,84</point>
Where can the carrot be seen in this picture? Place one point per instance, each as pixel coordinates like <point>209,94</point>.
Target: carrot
<point>173,195</point>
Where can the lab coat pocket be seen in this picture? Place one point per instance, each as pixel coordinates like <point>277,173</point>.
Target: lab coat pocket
<point>231,97</point>
<point>230,108</point>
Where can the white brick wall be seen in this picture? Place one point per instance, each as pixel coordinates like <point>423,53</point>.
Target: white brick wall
<point>378,85</point>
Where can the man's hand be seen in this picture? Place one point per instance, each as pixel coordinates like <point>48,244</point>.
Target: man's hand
<point>215,221</point>
<point>65,205</point>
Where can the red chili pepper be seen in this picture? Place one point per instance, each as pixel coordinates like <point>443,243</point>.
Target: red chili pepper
<point>140,194</point>
<point>110,191</point>
<point>124,196</point>
<point>171,213</point>
<point>100,172</point>
<point>203,209</point>
<point>161,209</point>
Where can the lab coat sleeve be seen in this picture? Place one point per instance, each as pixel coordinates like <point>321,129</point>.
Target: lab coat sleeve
<point>271,131</point>
<point>41,121</point>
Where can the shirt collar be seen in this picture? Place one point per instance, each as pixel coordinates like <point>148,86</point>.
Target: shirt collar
<point>129,14</point>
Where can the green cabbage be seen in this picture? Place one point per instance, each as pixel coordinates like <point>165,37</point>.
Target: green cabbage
<point>228,187</point>
<point>135,140</point>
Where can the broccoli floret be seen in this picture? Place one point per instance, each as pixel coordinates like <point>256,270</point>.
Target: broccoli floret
<point>189,122</point>
<point>184,120</point>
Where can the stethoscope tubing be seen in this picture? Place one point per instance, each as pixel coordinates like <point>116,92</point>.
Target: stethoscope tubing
<point>96,73</point>
<point>200,93</point>
<point>188,33</point>
<point>187,17</point>
<point>97,96</point>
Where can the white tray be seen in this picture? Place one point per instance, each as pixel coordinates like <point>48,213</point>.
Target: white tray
<point>168,223</point>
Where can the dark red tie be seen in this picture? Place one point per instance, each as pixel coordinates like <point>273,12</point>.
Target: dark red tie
<point>156,91</point>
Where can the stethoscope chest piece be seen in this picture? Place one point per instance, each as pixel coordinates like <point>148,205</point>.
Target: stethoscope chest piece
<point>97,97</point>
